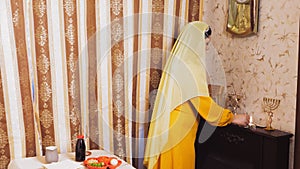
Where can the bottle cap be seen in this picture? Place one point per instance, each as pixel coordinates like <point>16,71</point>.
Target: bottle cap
<point>80,136</point>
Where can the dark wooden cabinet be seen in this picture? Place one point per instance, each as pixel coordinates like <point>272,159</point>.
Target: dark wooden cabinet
<point>234,147</point>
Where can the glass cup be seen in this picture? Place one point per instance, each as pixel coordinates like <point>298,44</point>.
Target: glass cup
<point>51,154</point>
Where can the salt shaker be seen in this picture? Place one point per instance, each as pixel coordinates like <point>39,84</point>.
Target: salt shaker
<point>51,154</point>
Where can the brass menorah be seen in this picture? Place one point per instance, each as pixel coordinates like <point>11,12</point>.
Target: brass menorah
<point>270,105</point>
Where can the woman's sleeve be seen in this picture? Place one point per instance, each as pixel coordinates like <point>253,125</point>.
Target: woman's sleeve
<point>211,111</point>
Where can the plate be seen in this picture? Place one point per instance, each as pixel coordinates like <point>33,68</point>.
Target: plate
<point>102,162</point>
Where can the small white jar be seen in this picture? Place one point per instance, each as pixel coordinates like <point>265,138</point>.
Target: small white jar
<point>51,154</point>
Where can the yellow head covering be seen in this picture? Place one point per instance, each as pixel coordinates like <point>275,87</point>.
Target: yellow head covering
<point>183,78</point>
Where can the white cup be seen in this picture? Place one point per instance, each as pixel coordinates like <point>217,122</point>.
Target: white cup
<point>51,154</point>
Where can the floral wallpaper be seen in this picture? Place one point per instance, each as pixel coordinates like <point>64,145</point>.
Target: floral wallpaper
<point>264,64</point>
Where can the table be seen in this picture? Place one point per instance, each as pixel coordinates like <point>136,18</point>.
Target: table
<point>231,147</point>
<point>38,162</point>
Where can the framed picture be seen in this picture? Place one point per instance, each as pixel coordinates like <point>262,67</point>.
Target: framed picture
<point>242,17</point>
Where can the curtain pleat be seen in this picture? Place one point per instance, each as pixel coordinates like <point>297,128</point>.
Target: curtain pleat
<point>157,51</point>
<point>59,80</point>
<point>87,67</point>
<point>19,136</point>
<point>24,76</point>
<point>129,16</point>
<point>44,76</point>
<point>134,97</point>
<point>118,76</point>
<point>12,113</point>
<point>72,59</point>
<point>195,11</point>
<point>93,113</point>
<point>4,141</point>
<point>157,26</point>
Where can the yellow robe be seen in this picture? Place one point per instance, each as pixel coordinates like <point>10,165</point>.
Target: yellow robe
<point>172,129</point>
<point>182,155</point>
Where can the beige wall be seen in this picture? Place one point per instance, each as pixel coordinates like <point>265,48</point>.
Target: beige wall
<point>264,64</point>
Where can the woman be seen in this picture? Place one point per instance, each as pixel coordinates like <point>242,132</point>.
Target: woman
<point>183,89</point>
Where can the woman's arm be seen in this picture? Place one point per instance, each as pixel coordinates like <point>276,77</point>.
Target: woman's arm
<point>217,115</point>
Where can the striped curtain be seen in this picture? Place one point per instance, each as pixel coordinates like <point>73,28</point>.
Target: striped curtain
<point>89,67</point>
<point>18,130</point>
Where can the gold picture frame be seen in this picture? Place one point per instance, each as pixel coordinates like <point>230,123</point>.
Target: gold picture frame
<point>242,17</point>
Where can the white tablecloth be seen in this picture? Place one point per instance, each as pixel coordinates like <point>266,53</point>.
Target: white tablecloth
<point>39,161</point>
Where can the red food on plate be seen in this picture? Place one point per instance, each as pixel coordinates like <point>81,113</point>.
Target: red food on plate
<point>102,162</point>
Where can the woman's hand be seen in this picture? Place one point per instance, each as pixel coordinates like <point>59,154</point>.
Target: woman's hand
<point>241,119</point>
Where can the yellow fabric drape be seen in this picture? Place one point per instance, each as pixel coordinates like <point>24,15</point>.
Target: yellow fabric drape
<point>183,122</point>
<point>183,78</point>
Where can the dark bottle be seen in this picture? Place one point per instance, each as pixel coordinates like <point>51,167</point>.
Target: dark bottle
<point>80,148</point>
